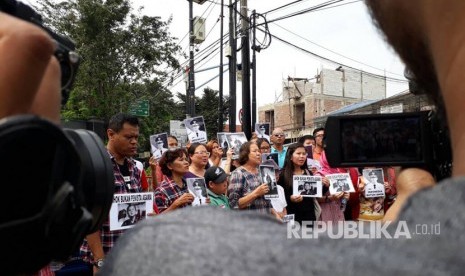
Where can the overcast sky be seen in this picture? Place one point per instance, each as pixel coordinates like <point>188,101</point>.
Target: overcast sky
<point>343,33</point>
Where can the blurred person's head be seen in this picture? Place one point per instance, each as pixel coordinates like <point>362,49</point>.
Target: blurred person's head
<point>123,133</point>
<point>296,158</point>
<point>307,140</point>
<point>319,134</point>
<point>198,154</point>
<point>263,145</point>
<point>172,142</point>
<point>214,148</point>
<point>249,153</point>
<point>216,180</point>
<point>278,137</point>
<point>174,162</point>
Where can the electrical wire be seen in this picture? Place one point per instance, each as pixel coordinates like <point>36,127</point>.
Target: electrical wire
<point>334,62</point>
<point>329,50</point>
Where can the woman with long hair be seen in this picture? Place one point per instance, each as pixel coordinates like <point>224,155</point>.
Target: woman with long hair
<point>245,190</point>
<point>172,193</point>
<point>216,156</point>
<point>216,153</point>
<point>295,163</point>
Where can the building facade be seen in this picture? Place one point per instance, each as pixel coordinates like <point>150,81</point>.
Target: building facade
<point>303,100</point>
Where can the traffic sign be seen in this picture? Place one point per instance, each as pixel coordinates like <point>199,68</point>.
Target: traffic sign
<point>140,108</point>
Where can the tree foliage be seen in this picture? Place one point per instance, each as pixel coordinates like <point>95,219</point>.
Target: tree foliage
<point>122,53</point>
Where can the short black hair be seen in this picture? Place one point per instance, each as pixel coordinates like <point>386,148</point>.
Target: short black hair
<point>260,141</point>
<point>318,129</point>
<point>306,137</point>
<point>168,158</point>
<point>117,121</point>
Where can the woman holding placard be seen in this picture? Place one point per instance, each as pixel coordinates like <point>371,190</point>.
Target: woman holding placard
<point>245,190</point>
<point>295,164</point>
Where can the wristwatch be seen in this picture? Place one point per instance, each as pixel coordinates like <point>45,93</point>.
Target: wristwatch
<point>98,263</point>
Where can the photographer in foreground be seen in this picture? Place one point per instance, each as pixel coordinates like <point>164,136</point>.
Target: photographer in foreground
<point>68,188</point>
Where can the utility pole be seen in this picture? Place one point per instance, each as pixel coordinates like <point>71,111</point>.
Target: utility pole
<point>254,70</point>
<point>246,124</point>
<point>232,66</point>
<point>190,99</point>
<point>220,96</point>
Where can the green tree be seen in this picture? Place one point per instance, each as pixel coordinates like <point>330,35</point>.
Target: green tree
<point>122,53</point>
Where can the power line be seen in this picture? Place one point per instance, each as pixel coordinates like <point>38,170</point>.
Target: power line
<point>311,9</point>
<point>329,50</point>
<point>334,62</point>
<point>281,7</point>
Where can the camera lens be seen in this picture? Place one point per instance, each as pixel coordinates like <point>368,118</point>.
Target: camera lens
<point>98,180</point>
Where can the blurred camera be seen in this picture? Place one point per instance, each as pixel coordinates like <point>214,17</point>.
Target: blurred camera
<point>57,183</point>
<point>65,52</point>
<point>417,139</point>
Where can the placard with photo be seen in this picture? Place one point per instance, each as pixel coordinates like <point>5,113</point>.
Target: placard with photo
<point>307,185</point>
<point>340,182</point>
<point>223,142</point>
<point>158,144</point>
<point>198,189</point>
<point>289,219</point>
<point>262,130</point>
<point>312,163</point>
<point>235,141</point>
<point>374,183</point>
<point>270,156</point>
<point>196,129</point>
<point>268,176</point>
<point>128,209</point>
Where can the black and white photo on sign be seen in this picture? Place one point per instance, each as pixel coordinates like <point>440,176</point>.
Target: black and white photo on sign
<point>267,176</point>
<point>128,209</point>
<point>235,141</point>
<point>312,163</point>
<point>289,218</point>
<point>263,130</point>
<point>159,144</point>
<point>196,129</point>
<point>374,182</point>
<point>307,186</point>
<point>340,182</point>
<point>270,156</point>
<point>198,189</point>
<point>223,142</point>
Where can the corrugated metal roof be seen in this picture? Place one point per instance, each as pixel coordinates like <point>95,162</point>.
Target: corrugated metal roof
<point>352,107</point>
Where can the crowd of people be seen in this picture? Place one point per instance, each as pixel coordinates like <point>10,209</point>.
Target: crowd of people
<point>236,184</point>
<point>431,48</point>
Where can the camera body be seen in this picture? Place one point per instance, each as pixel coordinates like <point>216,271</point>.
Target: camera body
<point>58,184</point>
<point>65,53</point>
<point>417,139</point>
